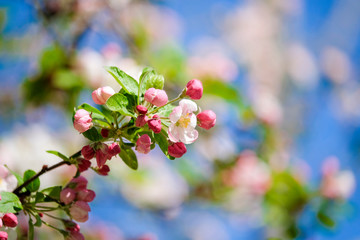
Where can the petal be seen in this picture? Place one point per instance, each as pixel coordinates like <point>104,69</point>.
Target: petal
<point>187,106</point>
<point>193,121</point>
<point>189,136</point>
<point>175,114</point>
<point>174,133</point>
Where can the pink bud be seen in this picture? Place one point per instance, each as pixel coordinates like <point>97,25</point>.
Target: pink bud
<point>71,226</point>
<point>82,120</point>
<point>156,97</point>
<point>101,95</point>
<point>75,236</point>
<point>104,132</point>
<point>88,152</point>
<point>104,170</point>
<point>114,149</point>
<point>86,195</point>
<point>3,235</point>
<point>10,220</point>
<point>1,223</point>
<point>101,158</point>
<point>177,149</point>
<point>78,183</point>
<point>67,195</point>
<point>155,124</point>
<point>141,120</point>
<point>143,144</point>
<point>207,119</point>
<point>194,89</point>
<point>83,164</point>
<point>141,109</point>
<point>79,211</point>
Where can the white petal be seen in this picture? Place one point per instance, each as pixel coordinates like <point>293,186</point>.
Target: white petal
<point>187,106</point>
<point>189,136</point>
<point>175,114</point>
<point>193,121</point>
<point>174,133</point>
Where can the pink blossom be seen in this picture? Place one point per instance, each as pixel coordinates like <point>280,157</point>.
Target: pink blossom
<point>336,184</point>
<point>102,154</point>
<point>183,122</point>
<point>177,150</point>
<point>207,119</point>
<point>3,235</point>
<point>83,164</point>
<point>82,120</point>
<point>113,150</point>
<point>101,95</point>
<point>104,170</point>
<point>10,220</point>
<point>86,195</point>
<point>141,120</point>
<point>143,144</point>
<point>155,124</point>
<point>88,152</point>
<point>194,89</point>
<point>141,109</point>
<point>156,97</point>
<point>1,223</point>
<point>75,236</point>
<point>80,211</point>
<point>78,183</point>
<point>67,195</point>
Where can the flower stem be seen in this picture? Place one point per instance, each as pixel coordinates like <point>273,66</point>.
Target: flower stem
<point>174,100</point>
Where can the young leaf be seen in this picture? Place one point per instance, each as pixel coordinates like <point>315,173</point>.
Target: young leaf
<point>163,143</point>
<point>9,203</point>
<point>129,84</point>
<point>38,221</point>
<point>325,220</point>
<point>129,157</point>
<point>53,192</point>
<point>60,155</point>
<point>119,103</point>
<point>95,113</point>
<point>35,184</point>
<point>166,110</point>
<point>92,134</point>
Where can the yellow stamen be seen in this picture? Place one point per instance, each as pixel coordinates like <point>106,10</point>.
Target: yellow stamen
<point>184,121</point>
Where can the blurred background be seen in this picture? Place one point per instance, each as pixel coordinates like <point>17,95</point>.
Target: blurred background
<point>281,75</point>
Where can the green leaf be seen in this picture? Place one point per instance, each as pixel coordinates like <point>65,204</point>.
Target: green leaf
<point>119,103</point>
<point>129,157</point>
<point>31,230</point>
<point>59,154</point>
<point>150,79</point>
<point>95,113</point>
<point>129,84</point>
<point>18,177</point>
<point>166,110</point>
<point>163,143</point>
<point>53,192</point>
<point>325,220</point>
<point>9,203</point>
<point>35,184</point>
<point>92,134</point>
<point>67,80</point>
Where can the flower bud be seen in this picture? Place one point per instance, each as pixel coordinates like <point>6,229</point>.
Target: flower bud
<point>155,124</point>
<point>67,195</point>
<point>143,144</point>
<point>101,95</point>
<point>207,119</point>
<point>141,109</point>
<point>104,132</point>
<point>82,120</point>
<point>10,220</point>
<point>80,211</point>
<point>141,120</point>
<point>156,97</point>
<point>88,152</point>
<point>78,183</point>
<point>194,89</point>
<point>157,81</point>
<point>86,195</point>
<point>83,164</point>
<point>1,223</point>
<point>177,149</point>
<point>113,150</point>
<point>75,236</point>
<point>71,226</point>
<point>3,235</point>
<point>104,170</point>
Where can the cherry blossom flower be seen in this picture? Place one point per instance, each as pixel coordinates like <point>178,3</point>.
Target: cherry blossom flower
<point>183,122</point>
